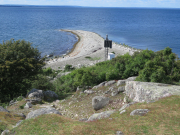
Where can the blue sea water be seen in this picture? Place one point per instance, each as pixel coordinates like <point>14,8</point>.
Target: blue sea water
<point>142,28</point>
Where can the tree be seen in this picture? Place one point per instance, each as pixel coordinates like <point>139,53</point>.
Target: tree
<point>19,63</point>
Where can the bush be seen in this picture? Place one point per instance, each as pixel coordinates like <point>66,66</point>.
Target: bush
<point>19,63</point>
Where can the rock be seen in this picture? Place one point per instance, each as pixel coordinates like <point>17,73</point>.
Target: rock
<point>106,92</point>
<point>50,95</point>
<point>34,101</point>
<point>148,91</point>
<point>124,106</point>
<point>121,89</point>
<point>28,105</point>
<point>5,132</point>
<point>101,115</point>
<point>123,111</point>
<point>110,83</point>
<point>41,111</point>
<point>111,89</point>
<point>131,78</point>
<point>140,112</point>
<point>119,133</point>
<point>89,91</point>
<point>99,102</point>
<point>36,94</point>
<point>3,110</point>
<point>12,102</point>
<point>100,85</point>
<point>33,90</point>
<point>121,82</point>
<point>18,123</point>
<point>77,89</point>
<point>114,93</point>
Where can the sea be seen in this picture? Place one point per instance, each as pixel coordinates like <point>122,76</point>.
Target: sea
<point>141,28</point>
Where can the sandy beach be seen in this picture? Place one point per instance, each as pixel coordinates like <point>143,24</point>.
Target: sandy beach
<point>89,44</point>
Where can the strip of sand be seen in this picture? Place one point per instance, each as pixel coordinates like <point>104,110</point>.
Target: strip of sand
<point>89,44</point>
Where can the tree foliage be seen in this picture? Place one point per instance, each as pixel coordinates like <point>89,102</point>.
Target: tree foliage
<point>19,63</point>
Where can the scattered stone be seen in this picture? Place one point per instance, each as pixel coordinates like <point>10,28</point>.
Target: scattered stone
<point>101,115</point>
<point>114,93</point>
<point>99,102</point>
<point>119,133</point>
<point>41,111</point>
<point>5,132</point>
<point>110,83</point>
<point>123,111</point>
<point>28,105</point>
<point>89,91</point>
<point>140,112</point>
<point>50,95</point>
<point>3,110</point>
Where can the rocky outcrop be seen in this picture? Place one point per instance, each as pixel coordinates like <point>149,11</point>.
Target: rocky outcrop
<point>99,102</point>
<point>148,91</point>
<point>101,115</point>
<point>3,109</point>
<point>28,105</point>
<point>140,112</point>
<point>41,111</point>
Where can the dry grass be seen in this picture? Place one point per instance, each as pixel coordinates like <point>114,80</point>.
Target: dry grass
<point>163,118</point>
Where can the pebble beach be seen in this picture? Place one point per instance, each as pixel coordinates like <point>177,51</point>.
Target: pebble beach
<point>88,51</point>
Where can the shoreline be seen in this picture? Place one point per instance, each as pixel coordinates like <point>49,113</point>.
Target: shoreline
<point>91,45</point>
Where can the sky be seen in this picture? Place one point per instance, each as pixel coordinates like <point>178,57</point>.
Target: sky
<point>100,3</point>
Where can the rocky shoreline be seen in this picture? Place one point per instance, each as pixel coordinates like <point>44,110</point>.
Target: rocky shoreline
<point>89,45</point>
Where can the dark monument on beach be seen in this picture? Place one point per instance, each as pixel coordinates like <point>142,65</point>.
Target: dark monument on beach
<point>107,44</point>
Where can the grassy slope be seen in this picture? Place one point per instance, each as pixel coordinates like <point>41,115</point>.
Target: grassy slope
<point>163,118</point>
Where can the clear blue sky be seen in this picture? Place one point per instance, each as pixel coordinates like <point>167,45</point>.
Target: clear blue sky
<point>100,3</point>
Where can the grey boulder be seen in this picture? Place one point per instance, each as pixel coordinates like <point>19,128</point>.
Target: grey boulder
<point>99,102</point>
<point>28,105</point>
<point>50,95</point>
<point>3,110</point>
<point>101,115</point>
<point>114,93</point>
<point>48,110</point>
<point>121,89</point>
<point>140,112</point>
<point>89,91</point>
<point>121,82</point>
<point>36,94</point>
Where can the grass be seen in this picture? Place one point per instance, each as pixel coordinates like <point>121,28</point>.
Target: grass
<point>163,118</point>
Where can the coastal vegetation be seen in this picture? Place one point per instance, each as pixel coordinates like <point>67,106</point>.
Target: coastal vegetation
<point>22,69</point>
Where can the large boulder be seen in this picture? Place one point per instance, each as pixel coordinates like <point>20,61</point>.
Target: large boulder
<point>50,95</point>
<point>31,91</point>
<point>3,109</point>
<point>140,112</point>
<point>41,111</point>
<point>101,115</point>
<point>148,91</point>
<point>34,101</point>
<point>99,102</point>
